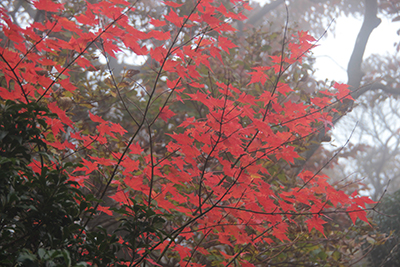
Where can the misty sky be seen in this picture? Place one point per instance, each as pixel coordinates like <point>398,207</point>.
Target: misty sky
<point>334,52</point>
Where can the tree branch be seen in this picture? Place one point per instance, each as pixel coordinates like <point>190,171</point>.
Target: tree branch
<point>380,86</point>
<point>371,21</point>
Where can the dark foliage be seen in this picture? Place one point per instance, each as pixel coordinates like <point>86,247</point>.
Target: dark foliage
<point>388,220</point>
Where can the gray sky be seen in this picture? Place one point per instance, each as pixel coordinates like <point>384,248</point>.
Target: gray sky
<point>334,51</point>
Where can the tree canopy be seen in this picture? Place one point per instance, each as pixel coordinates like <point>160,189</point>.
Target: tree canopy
<point>174,133</point>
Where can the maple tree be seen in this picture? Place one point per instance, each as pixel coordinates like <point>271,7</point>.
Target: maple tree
<point>213,188</point>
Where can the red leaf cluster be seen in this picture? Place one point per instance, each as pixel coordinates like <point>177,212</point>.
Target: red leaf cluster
<point>217,171</point>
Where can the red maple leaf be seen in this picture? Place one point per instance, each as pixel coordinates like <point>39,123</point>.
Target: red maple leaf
<point>317,223</point>
<point>157,23</point>
<point>225,44</point>
<point>174,18</point>
<point>343,91</point>
<point>48,5</point>
<point>96,118</point>
<point>258,75</point>
<point>166,114</point>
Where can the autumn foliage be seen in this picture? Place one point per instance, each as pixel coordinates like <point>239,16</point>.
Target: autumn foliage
<point>214,190</point>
